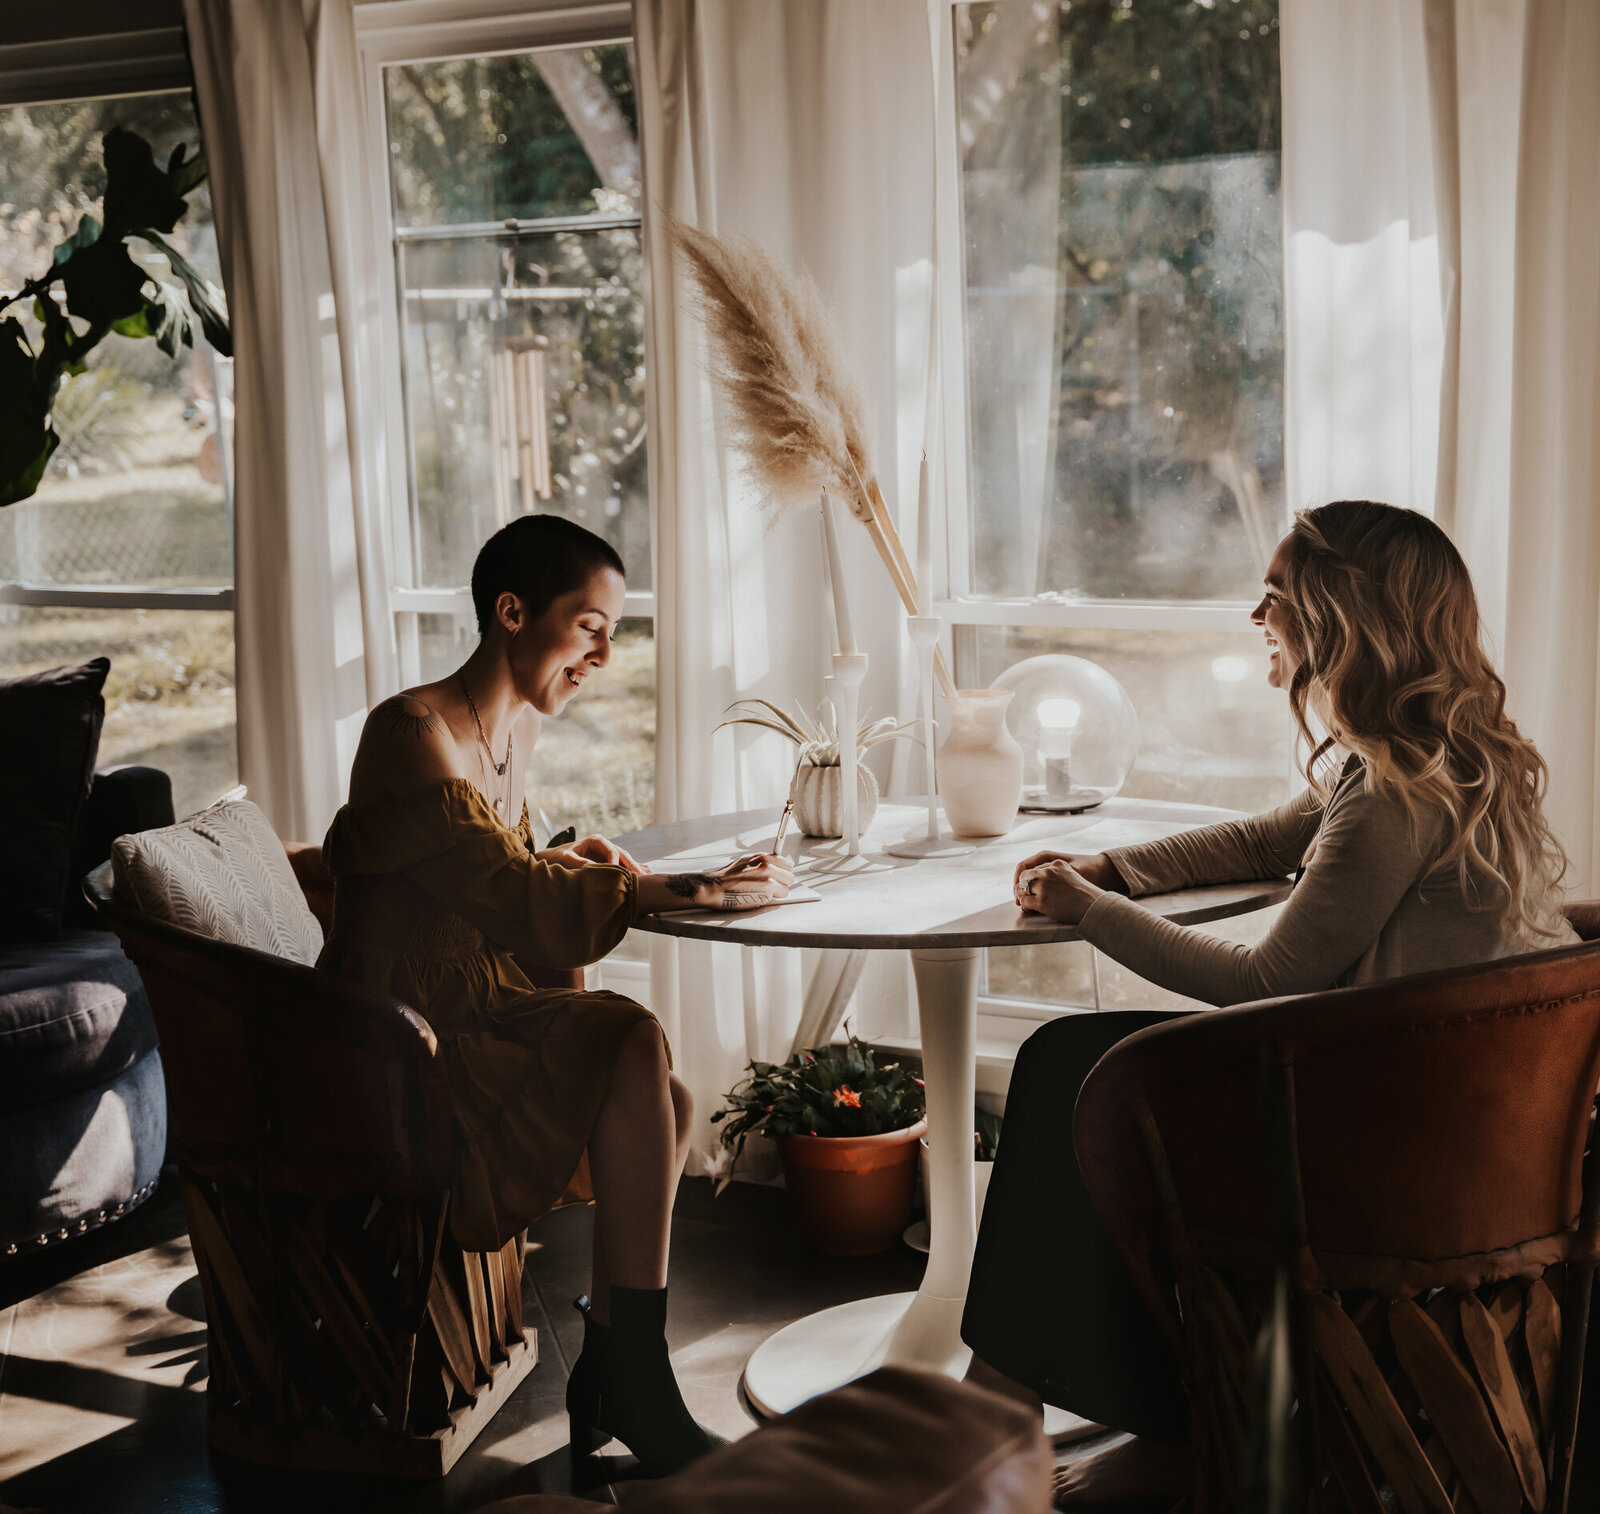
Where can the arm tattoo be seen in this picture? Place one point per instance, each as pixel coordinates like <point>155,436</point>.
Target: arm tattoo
<point>745,899</point>
<point>403,719</point>
<point>686,885</point>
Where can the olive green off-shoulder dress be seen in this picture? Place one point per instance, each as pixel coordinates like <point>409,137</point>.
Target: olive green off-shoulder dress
<point>434,901</point>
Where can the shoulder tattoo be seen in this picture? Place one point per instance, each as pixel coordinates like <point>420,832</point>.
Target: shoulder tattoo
<point>408,717</point>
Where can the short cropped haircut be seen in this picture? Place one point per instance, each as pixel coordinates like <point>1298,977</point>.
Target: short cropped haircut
<point>538,558</point>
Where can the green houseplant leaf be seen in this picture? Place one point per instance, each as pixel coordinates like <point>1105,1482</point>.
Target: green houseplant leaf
<point>26,440</point>
<point>103,283</point>
<point>137,192</point>
<point>105,290</point>
<point>203,295</point>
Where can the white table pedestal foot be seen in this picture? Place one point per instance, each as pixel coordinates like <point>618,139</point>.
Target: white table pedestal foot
<point>921,1329</point>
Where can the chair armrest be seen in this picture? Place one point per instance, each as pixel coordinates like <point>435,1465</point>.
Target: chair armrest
<point>314,878</point>
<point>288,1078</point>
<point>1584,917</point>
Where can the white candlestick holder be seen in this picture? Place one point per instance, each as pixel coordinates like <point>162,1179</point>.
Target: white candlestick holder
<point>924,632</point>
<point>849,668</point>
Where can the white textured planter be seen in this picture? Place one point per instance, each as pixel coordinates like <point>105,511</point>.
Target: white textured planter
<point>819,799</point>
<point>980,765</point>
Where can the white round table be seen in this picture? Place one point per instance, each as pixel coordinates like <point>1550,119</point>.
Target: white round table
<point>944,911</point>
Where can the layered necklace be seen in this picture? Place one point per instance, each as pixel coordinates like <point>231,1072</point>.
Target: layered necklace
<point>502,800</point>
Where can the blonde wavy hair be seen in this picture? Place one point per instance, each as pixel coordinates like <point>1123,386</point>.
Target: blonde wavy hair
<point>1391,659</point>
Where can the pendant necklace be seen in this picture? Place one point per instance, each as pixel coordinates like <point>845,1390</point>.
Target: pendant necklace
<point>500,768</point>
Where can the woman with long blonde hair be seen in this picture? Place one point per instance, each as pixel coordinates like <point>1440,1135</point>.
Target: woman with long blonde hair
<point>1419,845</point>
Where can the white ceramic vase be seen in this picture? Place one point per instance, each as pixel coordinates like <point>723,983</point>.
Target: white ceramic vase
<point>819,799</point>
<point>980,765</point>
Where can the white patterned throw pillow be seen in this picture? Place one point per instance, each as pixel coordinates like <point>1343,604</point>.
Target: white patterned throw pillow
<point>223,873</point>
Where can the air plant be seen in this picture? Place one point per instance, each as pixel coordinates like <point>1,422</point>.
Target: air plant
<point>816,736</point>
<point>797,411</point>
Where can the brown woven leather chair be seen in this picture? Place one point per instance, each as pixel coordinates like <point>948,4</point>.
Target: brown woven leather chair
<point>1428,1140</point>
<point>312,1130</point>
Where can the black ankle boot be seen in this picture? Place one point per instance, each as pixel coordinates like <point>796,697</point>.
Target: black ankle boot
<point>583,1384</point>
<point>622,1386</point>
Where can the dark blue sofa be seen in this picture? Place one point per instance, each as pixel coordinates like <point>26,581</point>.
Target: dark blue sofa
<point>83,1109</point>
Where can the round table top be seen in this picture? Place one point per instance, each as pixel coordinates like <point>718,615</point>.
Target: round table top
<point>875,901</point>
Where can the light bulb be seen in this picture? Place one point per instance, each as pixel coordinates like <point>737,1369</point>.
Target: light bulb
<point>1059,714</point>
<point>1058,718</point>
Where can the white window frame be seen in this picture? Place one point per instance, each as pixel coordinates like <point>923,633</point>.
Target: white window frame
<point>1008,1021</point>
<point>147,62</point>
<point>428,31</point>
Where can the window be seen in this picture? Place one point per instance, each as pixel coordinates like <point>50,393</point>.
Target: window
<point>514,193</point>
<point>1116,480</point>
<point>125,551</point>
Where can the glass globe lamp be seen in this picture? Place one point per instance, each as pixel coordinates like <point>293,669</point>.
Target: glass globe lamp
<point>1077,728</point>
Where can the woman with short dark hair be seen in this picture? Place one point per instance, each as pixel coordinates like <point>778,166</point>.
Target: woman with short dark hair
<point>559,1094</point>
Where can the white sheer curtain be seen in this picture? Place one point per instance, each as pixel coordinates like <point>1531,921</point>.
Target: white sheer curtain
<point>1515,86</point>
<point>806,124</point>
<point>1363,333</point>
<point>1442,236</point>
<point>1552,561</point>
<point>280,110</point>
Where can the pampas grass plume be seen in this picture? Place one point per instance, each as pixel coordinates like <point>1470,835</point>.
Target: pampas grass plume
<point>797,412</point>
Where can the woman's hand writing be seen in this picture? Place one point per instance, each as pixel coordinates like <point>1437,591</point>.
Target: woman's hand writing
<point>746,883</point>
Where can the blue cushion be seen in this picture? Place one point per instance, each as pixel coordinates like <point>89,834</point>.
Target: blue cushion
<point>82,1160</point>
<point>73,1014</point>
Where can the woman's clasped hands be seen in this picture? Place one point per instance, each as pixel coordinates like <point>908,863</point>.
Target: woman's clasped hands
<point>1063,885</point>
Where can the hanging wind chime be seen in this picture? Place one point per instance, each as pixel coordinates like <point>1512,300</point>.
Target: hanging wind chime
<point>519,425</point>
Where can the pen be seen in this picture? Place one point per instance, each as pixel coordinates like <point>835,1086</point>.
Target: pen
<point>788,809</point>
<point>783,826</point>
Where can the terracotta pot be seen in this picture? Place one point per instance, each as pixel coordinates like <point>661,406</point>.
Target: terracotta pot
<point>852,1194</point>
<point>819,800</point>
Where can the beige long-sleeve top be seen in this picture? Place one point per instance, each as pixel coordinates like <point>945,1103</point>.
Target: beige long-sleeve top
<point>1369,906</point>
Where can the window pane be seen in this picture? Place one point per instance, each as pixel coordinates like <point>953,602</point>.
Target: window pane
<point>1063,973</point>
<point>135,492</point>
<point>527,397</point>
<point>1210,732</point>
<point>169,696</point>
<point>1123,296</point>
<point>532,135</point>
<point>594,765</point>
<point>1210,729</point>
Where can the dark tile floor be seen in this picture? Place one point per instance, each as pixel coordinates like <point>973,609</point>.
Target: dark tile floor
<point>102,1362</point>
<point>103,1366</point>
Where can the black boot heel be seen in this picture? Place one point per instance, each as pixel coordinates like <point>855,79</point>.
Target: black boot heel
<point>583,1387</point>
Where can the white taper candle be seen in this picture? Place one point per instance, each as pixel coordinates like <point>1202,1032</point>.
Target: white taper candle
<point>827,591</point>
<point>841,603</point>
<point>924,541</point>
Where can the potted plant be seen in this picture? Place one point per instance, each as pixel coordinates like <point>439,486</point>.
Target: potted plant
<point>818,791</point>
<point>98,283</point>
<point>846,1128</point>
